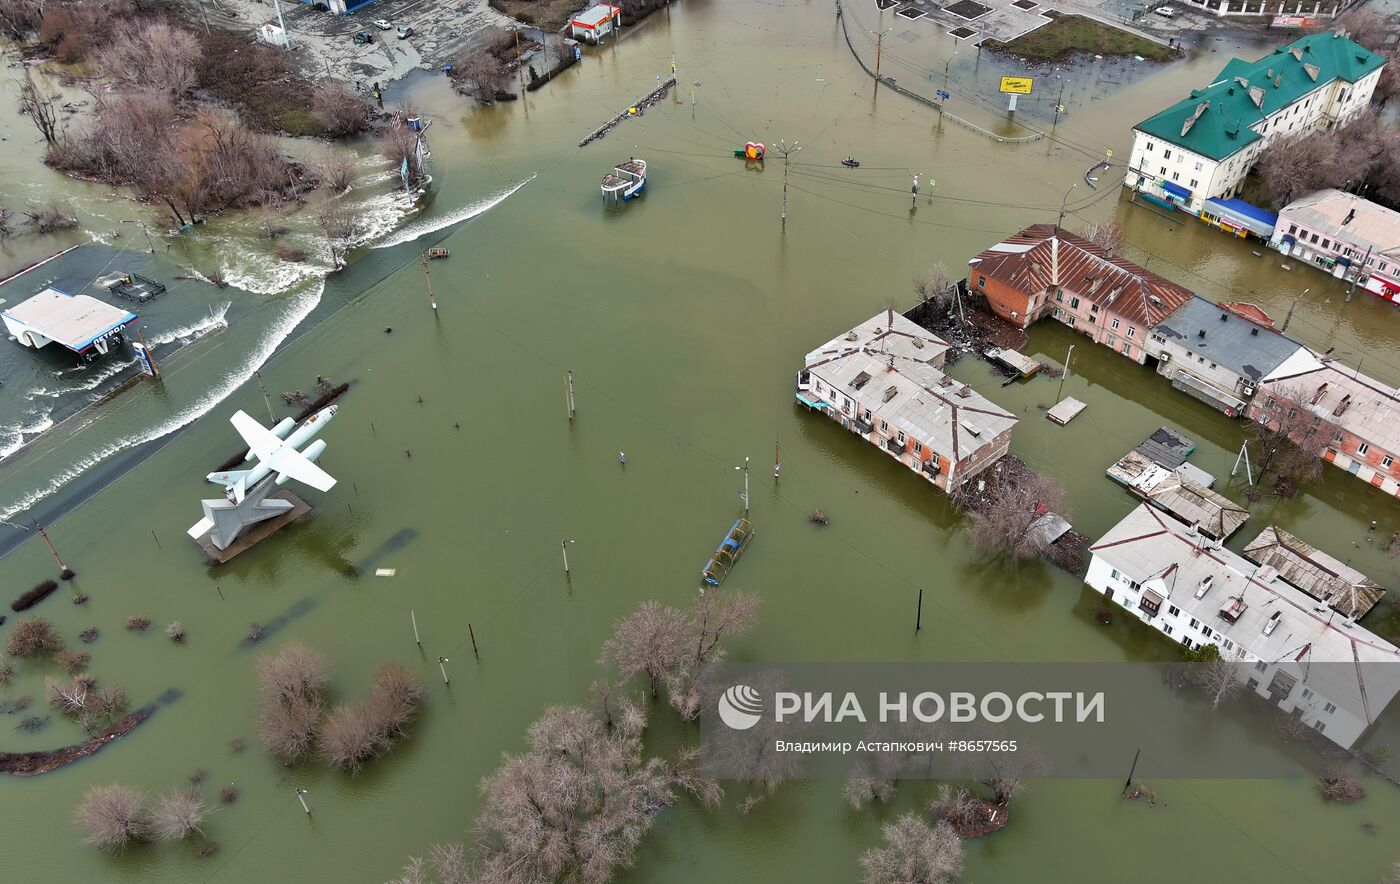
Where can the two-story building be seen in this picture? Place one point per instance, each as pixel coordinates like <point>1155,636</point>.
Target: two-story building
<point>1044,270</point>
<point>1361,414</point>
<point>1329,671</point>
<point>1344,235</point>
<point>1202,147</point>
<point>1215,354</point>
<point>883,381</point>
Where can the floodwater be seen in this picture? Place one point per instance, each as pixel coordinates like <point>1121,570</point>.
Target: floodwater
<point>683,316</point>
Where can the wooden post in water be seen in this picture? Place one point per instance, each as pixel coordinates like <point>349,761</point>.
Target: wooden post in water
<point>64,571</point>
<point>569,394</point>
<point>1128,784</point>
<point>472,633</point>
<point>414,617</point>
<point>442,661</point>
<point>919,612</point>
<point>157,539</point>
<point>564,548</point>
<point>301,796</point>
<point>432,299</point>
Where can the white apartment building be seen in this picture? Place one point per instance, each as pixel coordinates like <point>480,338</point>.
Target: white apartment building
<point>1202,147</point>
<point>1309,659</point>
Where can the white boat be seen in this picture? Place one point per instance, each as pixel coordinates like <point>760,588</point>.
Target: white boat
<point>625,181</point>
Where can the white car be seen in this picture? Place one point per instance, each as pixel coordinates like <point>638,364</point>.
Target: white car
<point>1165,11</point>
<point>383,24</point>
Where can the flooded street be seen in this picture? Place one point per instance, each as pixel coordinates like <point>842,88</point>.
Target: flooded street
<point>683,317</point>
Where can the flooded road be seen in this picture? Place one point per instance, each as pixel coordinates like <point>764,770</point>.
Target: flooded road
<point>683,317</point>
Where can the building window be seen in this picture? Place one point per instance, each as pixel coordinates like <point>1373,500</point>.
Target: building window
<point>1292,228</point>
<point>819,386</point>
<point>1167,630</point>
<point>901,437</point>
<point>1312,238</point>
<point>1194,183</point>
<point>918,449</point>
<point>1321,726</point>
<point>1176,176</point>
<point>1195,624</point>
<point>1206,631</point>
<point>1114,324</point>
<point>884,427</point>
<point>1329,708</point>
<point>1307,693</point>
<point>1326,243</point>
<point>1149,145</point>
<point>1363,448</point>
<point>1166,154</point>
<point>1127,348</point>
<point>1131,331</point>
<point>1261,666</point>
<point>1229,645</point>
<point>1060,296</point>
<point>1164,170</point>
<point>1387,461</point>
<point>1074,303</point>
<point>1173,610</point>
<point>847,407</point>
<point>981,281</point>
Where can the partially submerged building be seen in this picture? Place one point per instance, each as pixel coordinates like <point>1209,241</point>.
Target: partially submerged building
<point>595,23</point>
<point>883,381</point>
<point>1330,672</point>
<point>1344,235</point>
<point>1357,416</point>
<point>1216,355</point>
<point>80,323</point>
<point>1336,584</point>
<point>1177,492</point>
<point>1195,154</point>
<point>1045,270</point>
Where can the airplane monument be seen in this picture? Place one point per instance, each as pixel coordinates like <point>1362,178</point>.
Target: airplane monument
<point>250,511</point>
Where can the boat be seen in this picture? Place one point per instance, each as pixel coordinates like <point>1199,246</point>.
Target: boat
<point>625,181</point>
<point>851,163</point>
<point>437,253</point>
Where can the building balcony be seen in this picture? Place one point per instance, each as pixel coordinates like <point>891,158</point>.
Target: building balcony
<point>862,427</point>
<point>931,469</point>
<point>894,446</point>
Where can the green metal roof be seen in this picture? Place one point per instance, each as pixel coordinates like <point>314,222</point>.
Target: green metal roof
<point>1214,121</point>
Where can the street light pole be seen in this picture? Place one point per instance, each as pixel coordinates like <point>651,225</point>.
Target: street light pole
<point>1063,203</point>
<point>1068,354</point>
<point>879,43</point>
<point>745,495</point>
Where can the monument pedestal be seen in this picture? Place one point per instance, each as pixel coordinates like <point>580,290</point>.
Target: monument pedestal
<point>255,533</point>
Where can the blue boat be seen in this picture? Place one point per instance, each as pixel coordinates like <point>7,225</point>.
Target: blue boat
<point>626,181</point>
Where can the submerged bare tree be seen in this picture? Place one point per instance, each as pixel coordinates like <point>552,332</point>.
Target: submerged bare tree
<point>479,74</point>
<point>670,646</point>
<point>1008,516</point>
<point>1107,235</point>
<point>575,805</point>
<point>40,106</point>
<point>355,733</point>
<point>1218,679</point>
<point>935,287</point>
<point>914,853</point>
<point>291,684</point>
<point>113,816</point>
<point>177,814</point>
<point>1288,437</point>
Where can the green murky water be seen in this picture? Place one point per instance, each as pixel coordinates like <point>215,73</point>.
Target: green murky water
<point>683,318</point>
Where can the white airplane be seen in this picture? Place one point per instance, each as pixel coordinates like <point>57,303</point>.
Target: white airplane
<point>276,452</point>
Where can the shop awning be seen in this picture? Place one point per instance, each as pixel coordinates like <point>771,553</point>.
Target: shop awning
<point>1241,214</point>
<point>1177,190</point>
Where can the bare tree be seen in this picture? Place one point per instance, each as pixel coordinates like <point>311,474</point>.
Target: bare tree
<point>652,640</point>
<point>574,806</point>
<point>291,683</point>
<point>51,216</point>
<point>444,864</point>
<point>339,224</point>
<point>959,807</point>
<point>1218,679</point>
<point>914,853</point>
<point>33,636</point>
<point>1367,27</point>
<point>1107,235</point>
<point>862,790</point>
<point>20,18</point>
<point>70,698</point>
<point>40,106</point>
<point>337,171</point>
<point>154,56</point>
<point>935,287</point>
<point>293,671</point>
<point>479,74</point>
<point>1288,437</point>
<point>1337,785</point>
<point>340,111</point>
<point>177,814</point>
<point>1008,516</point>
<point>71,660</point>
<point>354,734</point>
<point>112,816</point>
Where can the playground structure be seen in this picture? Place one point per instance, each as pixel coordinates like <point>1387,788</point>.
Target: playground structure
<point>626,181</point>
<point>752,150</point>
<point>728,552</point>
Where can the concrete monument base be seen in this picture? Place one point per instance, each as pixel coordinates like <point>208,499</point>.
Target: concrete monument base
<point>255,533</point>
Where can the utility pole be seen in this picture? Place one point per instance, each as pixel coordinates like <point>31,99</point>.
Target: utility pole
<point>564,549</point>
<point>1132,770</point>
<point>301,796</point>
<point>442,665</point>
<point>266,401</point>
<point>1068,354</point>
<point>286,38</point>
<point>1289,317</point>
<point>1061,220</point>
<point>432,298</point>
<point>1243,456</point>
<point>745,495</point>
<point>919,613</point>
<point>777,459</point>
<point>1058,106</point>
<point>519,62</point>
<point>414,617</point>
<point>787,153</point>
<point>879,43</point>
<point>569,394</point>
<point>64,571</point>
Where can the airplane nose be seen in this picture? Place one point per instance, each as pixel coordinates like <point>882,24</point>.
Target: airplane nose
<point>331,410</point>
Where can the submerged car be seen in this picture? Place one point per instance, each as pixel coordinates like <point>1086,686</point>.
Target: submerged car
<point>405,32</point>
<point>363,37</point>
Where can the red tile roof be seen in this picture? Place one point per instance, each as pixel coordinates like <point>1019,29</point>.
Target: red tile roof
<point>1044,255</point>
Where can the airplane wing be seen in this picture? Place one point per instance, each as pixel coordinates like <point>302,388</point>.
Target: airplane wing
<point>290,462</point>
<point>261,441</point>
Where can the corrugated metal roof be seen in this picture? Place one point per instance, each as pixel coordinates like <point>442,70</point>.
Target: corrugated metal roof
<point>1341,586</point>
<point>1057,257</point>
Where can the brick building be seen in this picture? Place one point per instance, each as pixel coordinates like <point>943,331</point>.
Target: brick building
<point>1045,270</point>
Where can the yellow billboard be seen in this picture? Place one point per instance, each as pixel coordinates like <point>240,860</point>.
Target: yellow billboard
<point>1017,85</point>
